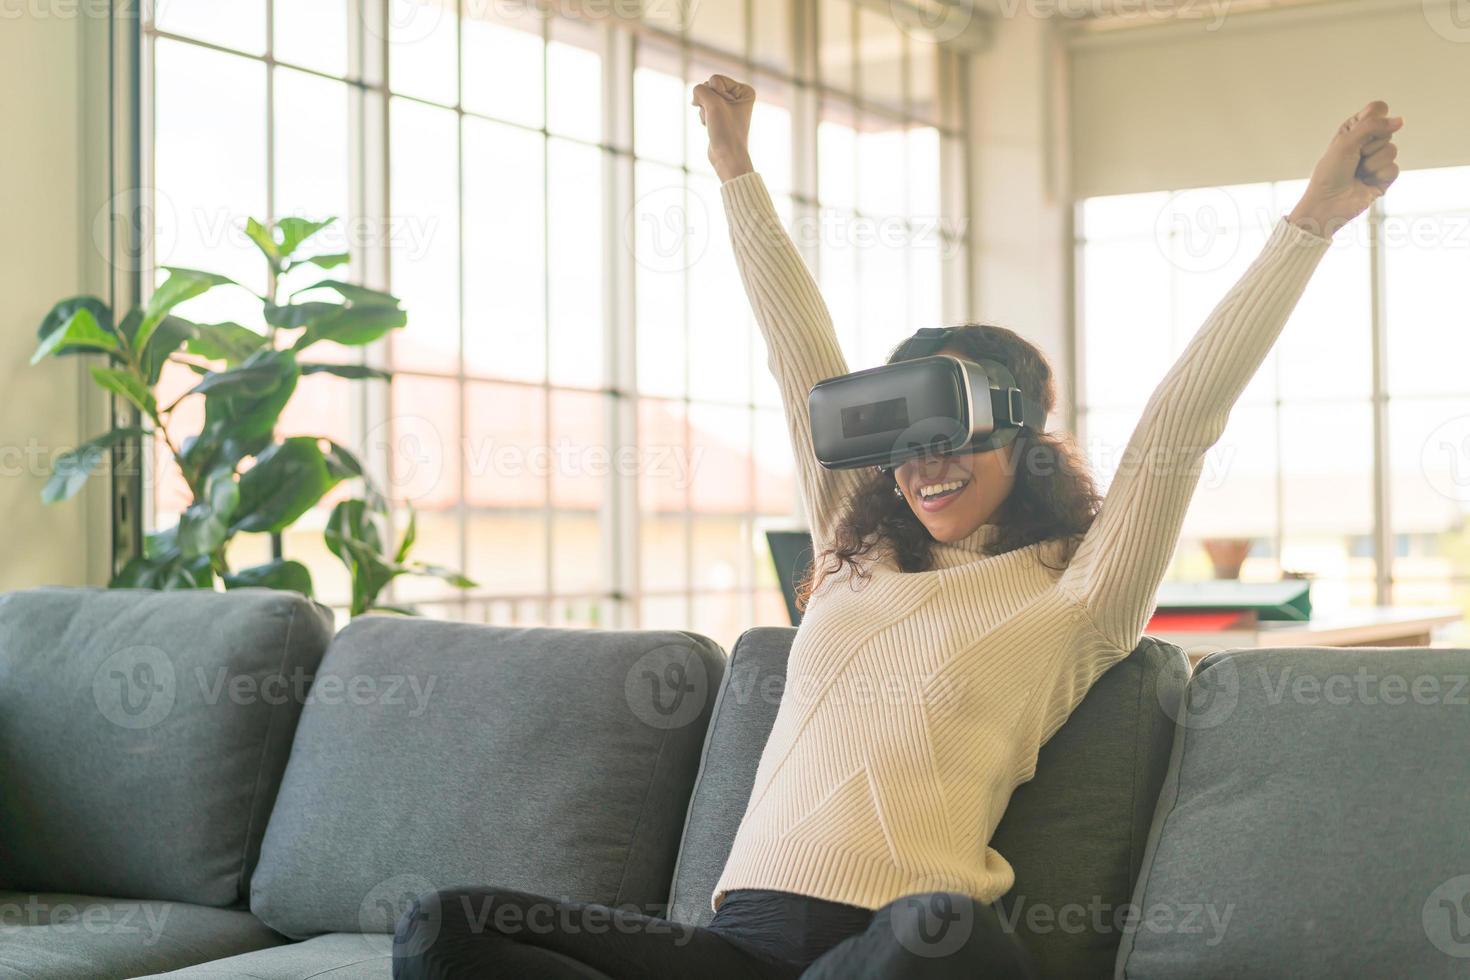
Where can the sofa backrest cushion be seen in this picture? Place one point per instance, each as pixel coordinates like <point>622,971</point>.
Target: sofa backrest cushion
<point>1313,821</point>
<point>1074,834</point>
<point>745,710</point>
<point>143,736</point>
<point>432,754</point>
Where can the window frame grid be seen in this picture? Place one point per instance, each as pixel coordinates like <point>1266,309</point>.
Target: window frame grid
<point>370,92</point>
<point>1379,400</point>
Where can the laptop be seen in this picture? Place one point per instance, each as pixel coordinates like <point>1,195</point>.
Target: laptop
<point>792,553</point>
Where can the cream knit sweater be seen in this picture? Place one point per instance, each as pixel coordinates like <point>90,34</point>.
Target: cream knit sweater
<point>916,702</point>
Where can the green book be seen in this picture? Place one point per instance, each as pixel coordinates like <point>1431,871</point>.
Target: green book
<point>1289,599</point>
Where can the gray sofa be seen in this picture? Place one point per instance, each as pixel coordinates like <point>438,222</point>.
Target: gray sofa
<point>205,785</point>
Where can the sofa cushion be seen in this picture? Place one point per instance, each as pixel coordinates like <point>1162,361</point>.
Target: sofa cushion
<point>1313,821</point>
<point>1074,834</point>
<point>336,956</point>
<point>557,761</point>
<point>81,937</point>
<point>744,711</point>
<point>143,735</point>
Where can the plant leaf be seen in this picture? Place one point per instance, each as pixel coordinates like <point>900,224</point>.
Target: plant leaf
<point>59,314</point>
<point>367,315</point>
<point>261,373</point>
<point>128,385</point>
<point>352,535</point>
<point>263,239</point>
<point>353,293</point>
<point>351,524</point>
<point>344,465</point>
<point>181,285</point>
<point>279,573</point>
<point>165,571</point>
<point>410,534</point>
<point>159,544</point>
<point>353,325</point>
<point>287,480</point>
<point>78,331</point>
<point>171,334</point>
<point>70,471</point>
<point>294,231</point>
<point>353,372</point>
<point>328,261</point>
<point>294,315</point>
<point>228,342</point>
<point>205,525</point>
<point>241,408</point>
<point>454,578</point>
<point>341,462</point>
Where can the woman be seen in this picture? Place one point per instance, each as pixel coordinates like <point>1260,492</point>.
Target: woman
<point>988,589</point>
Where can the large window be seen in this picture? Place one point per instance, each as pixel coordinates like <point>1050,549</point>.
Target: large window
<point>580,412</point>
<point>1375,349</point>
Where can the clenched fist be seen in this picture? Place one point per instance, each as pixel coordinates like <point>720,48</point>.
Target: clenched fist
<point>725,106</point>
<point>1357,168</point>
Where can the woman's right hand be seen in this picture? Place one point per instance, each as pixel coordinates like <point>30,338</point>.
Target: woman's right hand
<point>725,106</point>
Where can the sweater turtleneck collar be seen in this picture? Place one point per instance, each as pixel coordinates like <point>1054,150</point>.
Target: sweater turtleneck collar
<point>977,542</point>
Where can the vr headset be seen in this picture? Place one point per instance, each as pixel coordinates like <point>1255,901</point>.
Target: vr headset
<point>923,406</point>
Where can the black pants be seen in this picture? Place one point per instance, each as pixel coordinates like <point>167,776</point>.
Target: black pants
<point>756,935</point>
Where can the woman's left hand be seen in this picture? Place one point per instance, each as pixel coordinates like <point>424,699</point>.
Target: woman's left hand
<point>1356,169</point>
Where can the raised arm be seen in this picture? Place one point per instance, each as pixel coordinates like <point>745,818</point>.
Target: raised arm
<point>1117,568</point>
<point>801,343</point>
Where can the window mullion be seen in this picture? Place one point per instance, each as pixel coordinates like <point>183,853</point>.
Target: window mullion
<point>368,226</point>
<point>462,511</point>
<point>621,540</point>
<point>1382,515</point>
<point>131,192</point>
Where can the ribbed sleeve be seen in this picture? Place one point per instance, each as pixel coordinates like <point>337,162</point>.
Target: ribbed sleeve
<point>802,346</point>
<point>915,704</point>
<point>1117,568</point>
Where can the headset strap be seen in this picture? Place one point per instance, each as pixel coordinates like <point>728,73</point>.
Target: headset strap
<point>1011,407</point>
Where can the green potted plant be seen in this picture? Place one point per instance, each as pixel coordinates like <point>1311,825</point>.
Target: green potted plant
<point>241,478</point>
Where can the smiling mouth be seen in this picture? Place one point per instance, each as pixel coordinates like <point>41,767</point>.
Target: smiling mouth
<point>938,491</point>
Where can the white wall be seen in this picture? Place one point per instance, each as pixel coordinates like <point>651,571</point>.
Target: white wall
<point>1058,116</point>
<point>45,255</point>
<point>1258,96</point>
<point>1020,206</point>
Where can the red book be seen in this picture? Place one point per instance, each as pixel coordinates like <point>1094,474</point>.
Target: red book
<point>1198,622</point>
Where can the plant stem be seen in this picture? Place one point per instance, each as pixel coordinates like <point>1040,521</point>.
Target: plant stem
<point>271,287</point>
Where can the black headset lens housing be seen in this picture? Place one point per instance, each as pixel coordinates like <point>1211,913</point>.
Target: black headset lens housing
<point>937,404</point>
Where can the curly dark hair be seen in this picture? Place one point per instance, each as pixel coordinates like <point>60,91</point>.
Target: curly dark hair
<point>1054,498</point>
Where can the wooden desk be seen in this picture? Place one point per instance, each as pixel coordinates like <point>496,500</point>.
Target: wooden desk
<point>1377,626</point>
